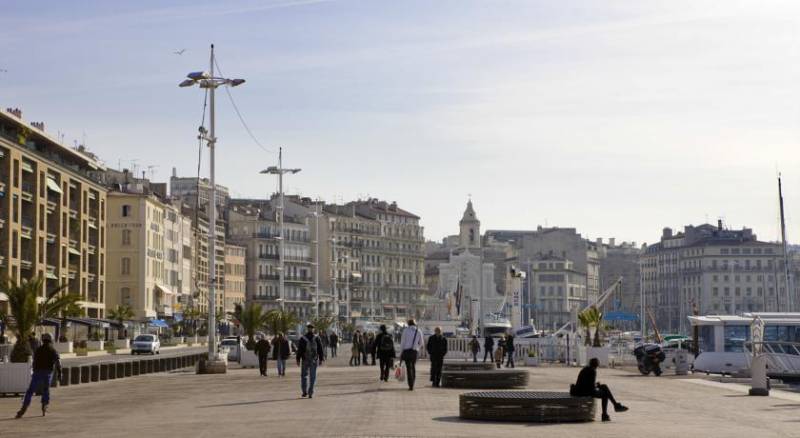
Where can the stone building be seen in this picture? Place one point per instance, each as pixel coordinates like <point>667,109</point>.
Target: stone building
<point>235,274</point>
<point>622,260</point>
<point>52,213</point>
<point>718,270</point>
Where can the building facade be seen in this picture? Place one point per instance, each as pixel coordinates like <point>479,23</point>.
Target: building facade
<point>52,213</point>
<point>235,274</point>
<point>712,270</point>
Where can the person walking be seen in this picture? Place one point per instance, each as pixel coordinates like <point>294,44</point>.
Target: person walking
<point>372,347</point>
<point>499,352</point>
<point>510,350</point>
<point>45,361</point>
<point>488,348</point>
<point>262,350</point>
<point>323,336</point>
<point>474,348</point>
<point>334,343</point>
<point>309,356</point>
<point>280,352</point>
<point>365,347</point>
<point>410,343</point>
<point>355,350</point>
<point>383,347</point>
<point>587,386</point>
<point>437,349</point>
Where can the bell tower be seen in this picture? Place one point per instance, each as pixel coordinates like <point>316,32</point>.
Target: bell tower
<point>470,235</point>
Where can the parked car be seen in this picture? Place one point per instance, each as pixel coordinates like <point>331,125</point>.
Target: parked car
<point>146,344</point>
<point>233,346</point>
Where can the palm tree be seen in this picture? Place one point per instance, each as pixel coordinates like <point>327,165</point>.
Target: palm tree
<point>281,321</point>
<point>252,318</point>
<point>120,314</point>
<point>591,318</point>
<point>190,316</point>
<point>323,323</point>
<point>27,312</point>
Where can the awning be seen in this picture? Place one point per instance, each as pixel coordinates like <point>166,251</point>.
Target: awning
<point>51,275</point>
<point>3,297</point>
<point>89,322</point>
<point>110,322</point>
<point>74,251</point>
<point>158,323</point>
<point>50,321</point>
<point>164,289</point>
<point>27,167</point>
<point>53,185</point>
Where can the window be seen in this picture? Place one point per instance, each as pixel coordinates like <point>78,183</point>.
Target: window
<point>125,268</point>
<point>126,210</point>
<point>125,296</point>
<point>126,237</point>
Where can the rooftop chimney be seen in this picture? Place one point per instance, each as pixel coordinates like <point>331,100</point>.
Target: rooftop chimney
<point>611,241</point>
<point>38,125</point>
<point>719,224</point>
<point>15,111</point>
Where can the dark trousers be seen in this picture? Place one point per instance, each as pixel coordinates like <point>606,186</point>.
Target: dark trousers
<point>487,352</point>
<point>510,362</point>
<point>475,356</point>
<point>436,370</point>
<point>410,359</point>
<point>386,364</point>
<point>602,392</point>
<point>40,381</point>
<point>373,358</point>
<point>333,351</point>
<point>364,357</point>
<point>262,364</point>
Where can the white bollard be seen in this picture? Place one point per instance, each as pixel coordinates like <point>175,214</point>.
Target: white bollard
<point>759,384</point>
<point>681,362</point>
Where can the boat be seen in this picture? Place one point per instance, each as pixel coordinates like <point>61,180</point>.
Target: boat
<point>496,325</point>
<point>724,340</point>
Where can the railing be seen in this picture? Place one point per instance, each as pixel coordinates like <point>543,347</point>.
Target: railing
<point>782,357</point>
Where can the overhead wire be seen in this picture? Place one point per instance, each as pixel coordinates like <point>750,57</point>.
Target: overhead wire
<point>239,114</point>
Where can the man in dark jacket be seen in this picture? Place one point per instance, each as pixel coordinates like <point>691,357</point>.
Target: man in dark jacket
<point>510,350</point>
<point>488,348</point>
<point>383,347</point>
<point>334,342</point>
<point>262,350</point>
<point>587,386</point>
<point>310,354</point>
<point>45,361</point>
<point>437,349</point>
<point>280,352</point>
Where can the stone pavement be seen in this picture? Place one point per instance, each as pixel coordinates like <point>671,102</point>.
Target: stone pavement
<point>351,402</point>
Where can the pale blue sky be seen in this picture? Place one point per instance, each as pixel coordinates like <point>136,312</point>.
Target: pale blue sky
<point>614,117</point>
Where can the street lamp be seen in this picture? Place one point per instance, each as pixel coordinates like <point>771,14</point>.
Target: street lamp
<point>210,82</point>
<point>280,171</point>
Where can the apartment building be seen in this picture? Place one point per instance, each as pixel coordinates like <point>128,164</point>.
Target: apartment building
<point>559,291</point>
<point>235,274</point>
<point>52,213</point>
<point>713,269</point>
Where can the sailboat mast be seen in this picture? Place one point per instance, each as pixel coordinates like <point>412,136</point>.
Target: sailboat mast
<point>789,303</point>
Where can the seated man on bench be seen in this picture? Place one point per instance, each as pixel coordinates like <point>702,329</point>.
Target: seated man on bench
<point>587,386</point>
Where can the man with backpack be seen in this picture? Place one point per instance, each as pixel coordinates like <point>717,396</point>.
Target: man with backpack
<point>310,354</point>
<point>437,349</point>
<point>383,347</point>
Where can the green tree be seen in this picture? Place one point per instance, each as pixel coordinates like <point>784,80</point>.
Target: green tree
<point>121,313</point>
<point>190,317</point>
<point>591,318</point>
<point>251,317</point>
<point>281,321</point>
<point>323,323</point>
<point>27,312</point>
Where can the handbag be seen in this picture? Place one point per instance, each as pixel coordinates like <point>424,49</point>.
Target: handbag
<point>407,353</point>
<point>400,373</point>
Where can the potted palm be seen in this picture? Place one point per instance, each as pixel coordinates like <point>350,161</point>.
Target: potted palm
<point>120,314</point>
<point>532,360</point>
<point>63,345</point>
<point>25,313</point>
<point>591,319</point>
<point>95,342</point>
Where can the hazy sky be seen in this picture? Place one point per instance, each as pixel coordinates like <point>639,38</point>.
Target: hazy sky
<point>614,117</point>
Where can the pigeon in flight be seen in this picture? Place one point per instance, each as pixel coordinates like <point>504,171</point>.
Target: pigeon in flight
<point>179,52</point>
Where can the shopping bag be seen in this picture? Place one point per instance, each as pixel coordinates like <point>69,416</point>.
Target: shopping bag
<point>400,373</point>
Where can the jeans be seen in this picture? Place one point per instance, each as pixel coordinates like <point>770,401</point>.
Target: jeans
<point>487,352</point>
<point>386,365</point>
<point>410,358</point>
<point>262,364</point>
<point>39,380</point>
<point>308,376</point>
<point>281,367</point>
<point>436,370</point>
<point>510,363</point>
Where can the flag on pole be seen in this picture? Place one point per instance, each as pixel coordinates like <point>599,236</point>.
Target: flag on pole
<point>458,297</point>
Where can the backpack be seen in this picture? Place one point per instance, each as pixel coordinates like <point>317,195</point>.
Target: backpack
<point>311,354</point>
<point>386,344</point>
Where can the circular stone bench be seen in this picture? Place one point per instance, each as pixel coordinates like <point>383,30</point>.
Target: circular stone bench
<point>485,379</point>
<point>529,406</point>
<point>454,365</point>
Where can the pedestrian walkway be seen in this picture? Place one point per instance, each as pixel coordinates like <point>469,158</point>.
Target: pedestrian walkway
<point>351,402</point>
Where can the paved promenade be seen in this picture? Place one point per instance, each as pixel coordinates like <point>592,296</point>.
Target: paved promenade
<point>351,402</point>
